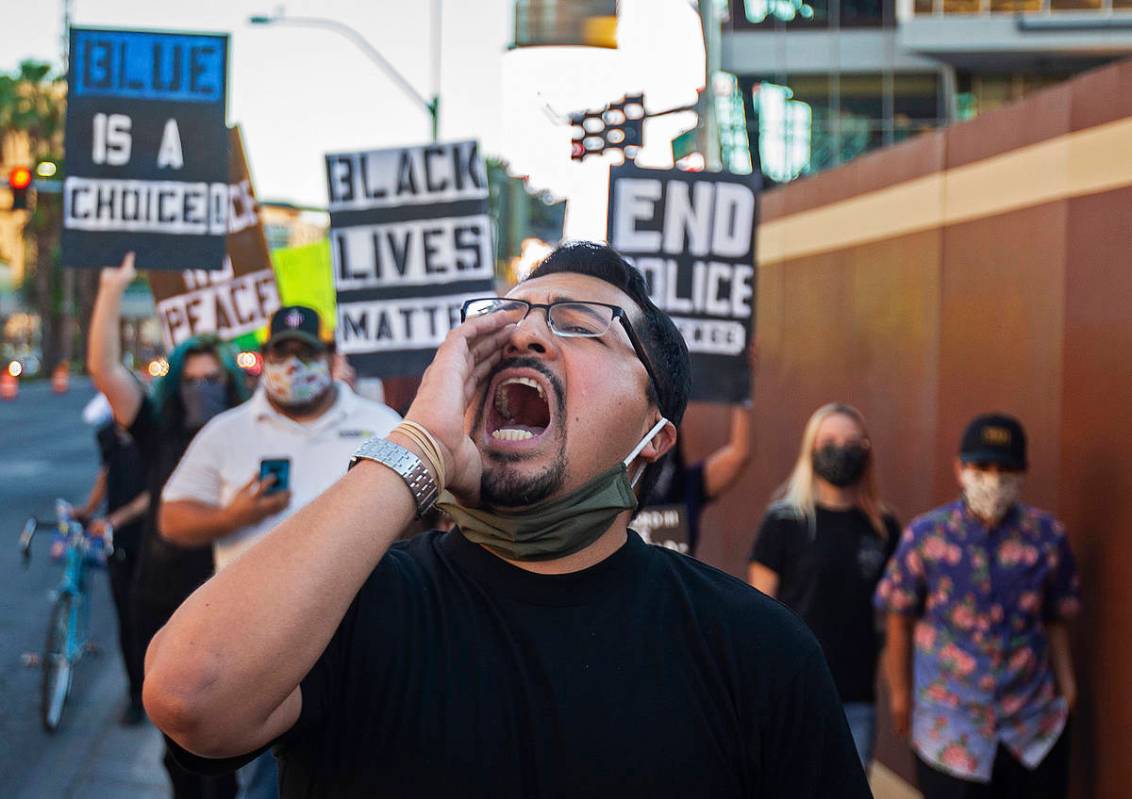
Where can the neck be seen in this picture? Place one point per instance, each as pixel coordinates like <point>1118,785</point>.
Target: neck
<point>835,497</point>
<point>311,410</point>
<point>607,543</point>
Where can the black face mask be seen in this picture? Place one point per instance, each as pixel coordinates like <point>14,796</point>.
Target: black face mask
<point>203,400</point>
<point>841,466</point>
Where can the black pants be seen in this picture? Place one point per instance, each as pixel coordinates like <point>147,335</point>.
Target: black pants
<point>1010,778</point>
<point>149,617</point>
<point>122,568</point>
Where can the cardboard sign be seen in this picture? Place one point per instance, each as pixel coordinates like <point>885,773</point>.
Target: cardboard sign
<point>692,235</point>
<point>663,525</point>
<point>147,149</point>
<point>234,300</point>
<point>410,239</point>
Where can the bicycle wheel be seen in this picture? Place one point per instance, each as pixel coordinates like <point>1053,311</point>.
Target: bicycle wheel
<point>56,664</point>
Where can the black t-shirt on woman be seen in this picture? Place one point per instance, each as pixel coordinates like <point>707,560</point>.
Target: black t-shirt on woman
<point>828,568</point>
<point>648,674</point>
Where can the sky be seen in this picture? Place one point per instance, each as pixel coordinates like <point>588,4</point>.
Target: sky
<point>301,92</point>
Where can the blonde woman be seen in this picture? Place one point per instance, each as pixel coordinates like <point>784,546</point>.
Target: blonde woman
<point>821,550</point>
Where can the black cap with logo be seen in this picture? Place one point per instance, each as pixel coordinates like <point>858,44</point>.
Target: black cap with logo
<point>994,438</point>
<point>297,322</point>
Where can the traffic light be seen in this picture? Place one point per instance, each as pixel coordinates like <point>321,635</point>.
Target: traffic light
<point>19,181</point>
<point>618,126</point>
<point>588,135</point>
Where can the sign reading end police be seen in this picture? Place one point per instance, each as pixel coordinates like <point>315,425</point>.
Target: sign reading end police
<point>147,149</point>
<point>692,236</point>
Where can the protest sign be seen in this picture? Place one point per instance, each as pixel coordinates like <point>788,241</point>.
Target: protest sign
<point>692,236</point>
<point>410,239</point>
<point>236,299</point>
<point>304,275</point>
<point>663,525</point>
<point>147,149</point>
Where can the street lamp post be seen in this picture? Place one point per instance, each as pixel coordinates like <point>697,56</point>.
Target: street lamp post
<point>431,105</point>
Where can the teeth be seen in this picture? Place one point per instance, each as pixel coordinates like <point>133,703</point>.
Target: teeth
<point>524,381</point>
<point>509,434</point>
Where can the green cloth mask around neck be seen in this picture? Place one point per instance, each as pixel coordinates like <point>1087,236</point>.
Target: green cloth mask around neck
<point>553,528</point>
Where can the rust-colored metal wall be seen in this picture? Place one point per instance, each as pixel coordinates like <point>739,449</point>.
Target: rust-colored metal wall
<point>1003,284</point>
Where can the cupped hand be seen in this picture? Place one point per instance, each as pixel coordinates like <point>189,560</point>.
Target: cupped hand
<point>449,385</point>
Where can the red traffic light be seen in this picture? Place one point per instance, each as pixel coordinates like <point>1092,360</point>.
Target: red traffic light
<point>19,178</point>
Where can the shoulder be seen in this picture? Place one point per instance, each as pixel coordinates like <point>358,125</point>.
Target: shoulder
<point>234,421</point>
<point>1042,522</point>
<point>719,601</point>
<point>936,518</point>
<point>375,413</point>
<point>783,514</point>
<point>411,562</point>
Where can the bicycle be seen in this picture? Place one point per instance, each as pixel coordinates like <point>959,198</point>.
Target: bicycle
<point>70,612</point>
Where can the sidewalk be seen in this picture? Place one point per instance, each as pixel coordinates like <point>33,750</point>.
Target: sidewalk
<point>92,756</point>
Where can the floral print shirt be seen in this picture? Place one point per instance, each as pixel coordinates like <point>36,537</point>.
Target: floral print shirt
<point>981,659</point>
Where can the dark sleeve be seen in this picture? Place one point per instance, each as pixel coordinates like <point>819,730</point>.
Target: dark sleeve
<point>807,750</point>
<point>695,487</point>
<point>770,544</point>
<point>145,430</point>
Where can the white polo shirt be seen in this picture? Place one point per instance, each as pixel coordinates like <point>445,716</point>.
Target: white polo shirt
<point>226,453</point>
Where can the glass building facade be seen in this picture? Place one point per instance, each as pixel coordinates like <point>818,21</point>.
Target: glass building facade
<point>825,81</point>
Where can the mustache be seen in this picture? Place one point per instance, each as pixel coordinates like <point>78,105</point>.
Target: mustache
<point>525,363</point>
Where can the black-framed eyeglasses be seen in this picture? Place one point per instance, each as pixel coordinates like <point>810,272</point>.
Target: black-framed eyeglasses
<point>569,319</point>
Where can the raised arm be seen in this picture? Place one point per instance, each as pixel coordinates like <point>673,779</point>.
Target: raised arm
<point>104,356</point>
<point>723,467</point>
<point>222,677</point>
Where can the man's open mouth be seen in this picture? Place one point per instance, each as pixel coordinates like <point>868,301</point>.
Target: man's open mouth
<point>519,410</point>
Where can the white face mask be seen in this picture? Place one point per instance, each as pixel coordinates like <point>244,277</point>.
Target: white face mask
<point>295,382</point>
<point>990,495</point>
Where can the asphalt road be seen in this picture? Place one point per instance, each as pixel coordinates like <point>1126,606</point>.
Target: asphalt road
<point>46,451</point>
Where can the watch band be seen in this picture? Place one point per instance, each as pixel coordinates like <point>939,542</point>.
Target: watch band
<point>416,475</point>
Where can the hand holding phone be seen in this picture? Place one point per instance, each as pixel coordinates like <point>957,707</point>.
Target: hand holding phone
<point>280,469</point>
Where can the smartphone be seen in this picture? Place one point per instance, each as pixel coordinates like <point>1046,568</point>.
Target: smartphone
<point>281,468</point>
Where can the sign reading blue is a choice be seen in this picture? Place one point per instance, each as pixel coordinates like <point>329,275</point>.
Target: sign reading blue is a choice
<point>147,149</point>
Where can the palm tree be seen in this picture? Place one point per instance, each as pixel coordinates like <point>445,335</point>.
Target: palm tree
<point>32,109</point>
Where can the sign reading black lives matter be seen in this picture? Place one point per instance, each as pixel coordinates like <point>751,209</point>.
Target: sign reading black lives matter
<point>692,235</point>
<point>411,240</point>
<point>147,149</point>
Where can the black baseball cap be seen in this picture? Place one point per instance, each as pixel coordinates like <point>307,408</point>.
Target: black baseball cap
<point>994,438</point>
<point>295,322</point>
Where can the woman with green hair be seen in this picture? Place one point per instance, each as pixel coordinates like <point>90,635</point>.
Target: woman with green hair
<point>202,381</point>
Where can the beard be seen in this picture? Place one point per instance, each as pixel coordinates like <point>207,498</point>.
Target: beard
<point>500,485</point>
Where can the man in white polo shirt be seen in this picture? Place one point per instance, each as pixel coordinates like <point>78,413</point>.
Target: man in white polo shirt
<point>298,415</point>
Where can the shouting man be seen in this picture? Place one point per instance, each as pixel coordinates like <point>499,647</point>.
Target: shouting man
<point>539,649</point>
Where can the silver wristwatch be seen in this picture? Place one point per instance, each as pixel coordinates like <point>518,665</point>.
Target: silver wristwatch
<point>415,474</point>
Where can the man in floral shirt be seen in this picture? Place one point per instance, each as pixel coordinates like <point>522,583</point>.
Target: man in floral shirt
<point>983,588</point>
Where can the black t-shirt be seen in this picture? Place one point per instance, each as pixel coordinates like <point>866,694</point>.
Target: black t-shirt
<point>828,569</point>
<point>649,674</point>
<point>167,573</point>
<point>125,478</point>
